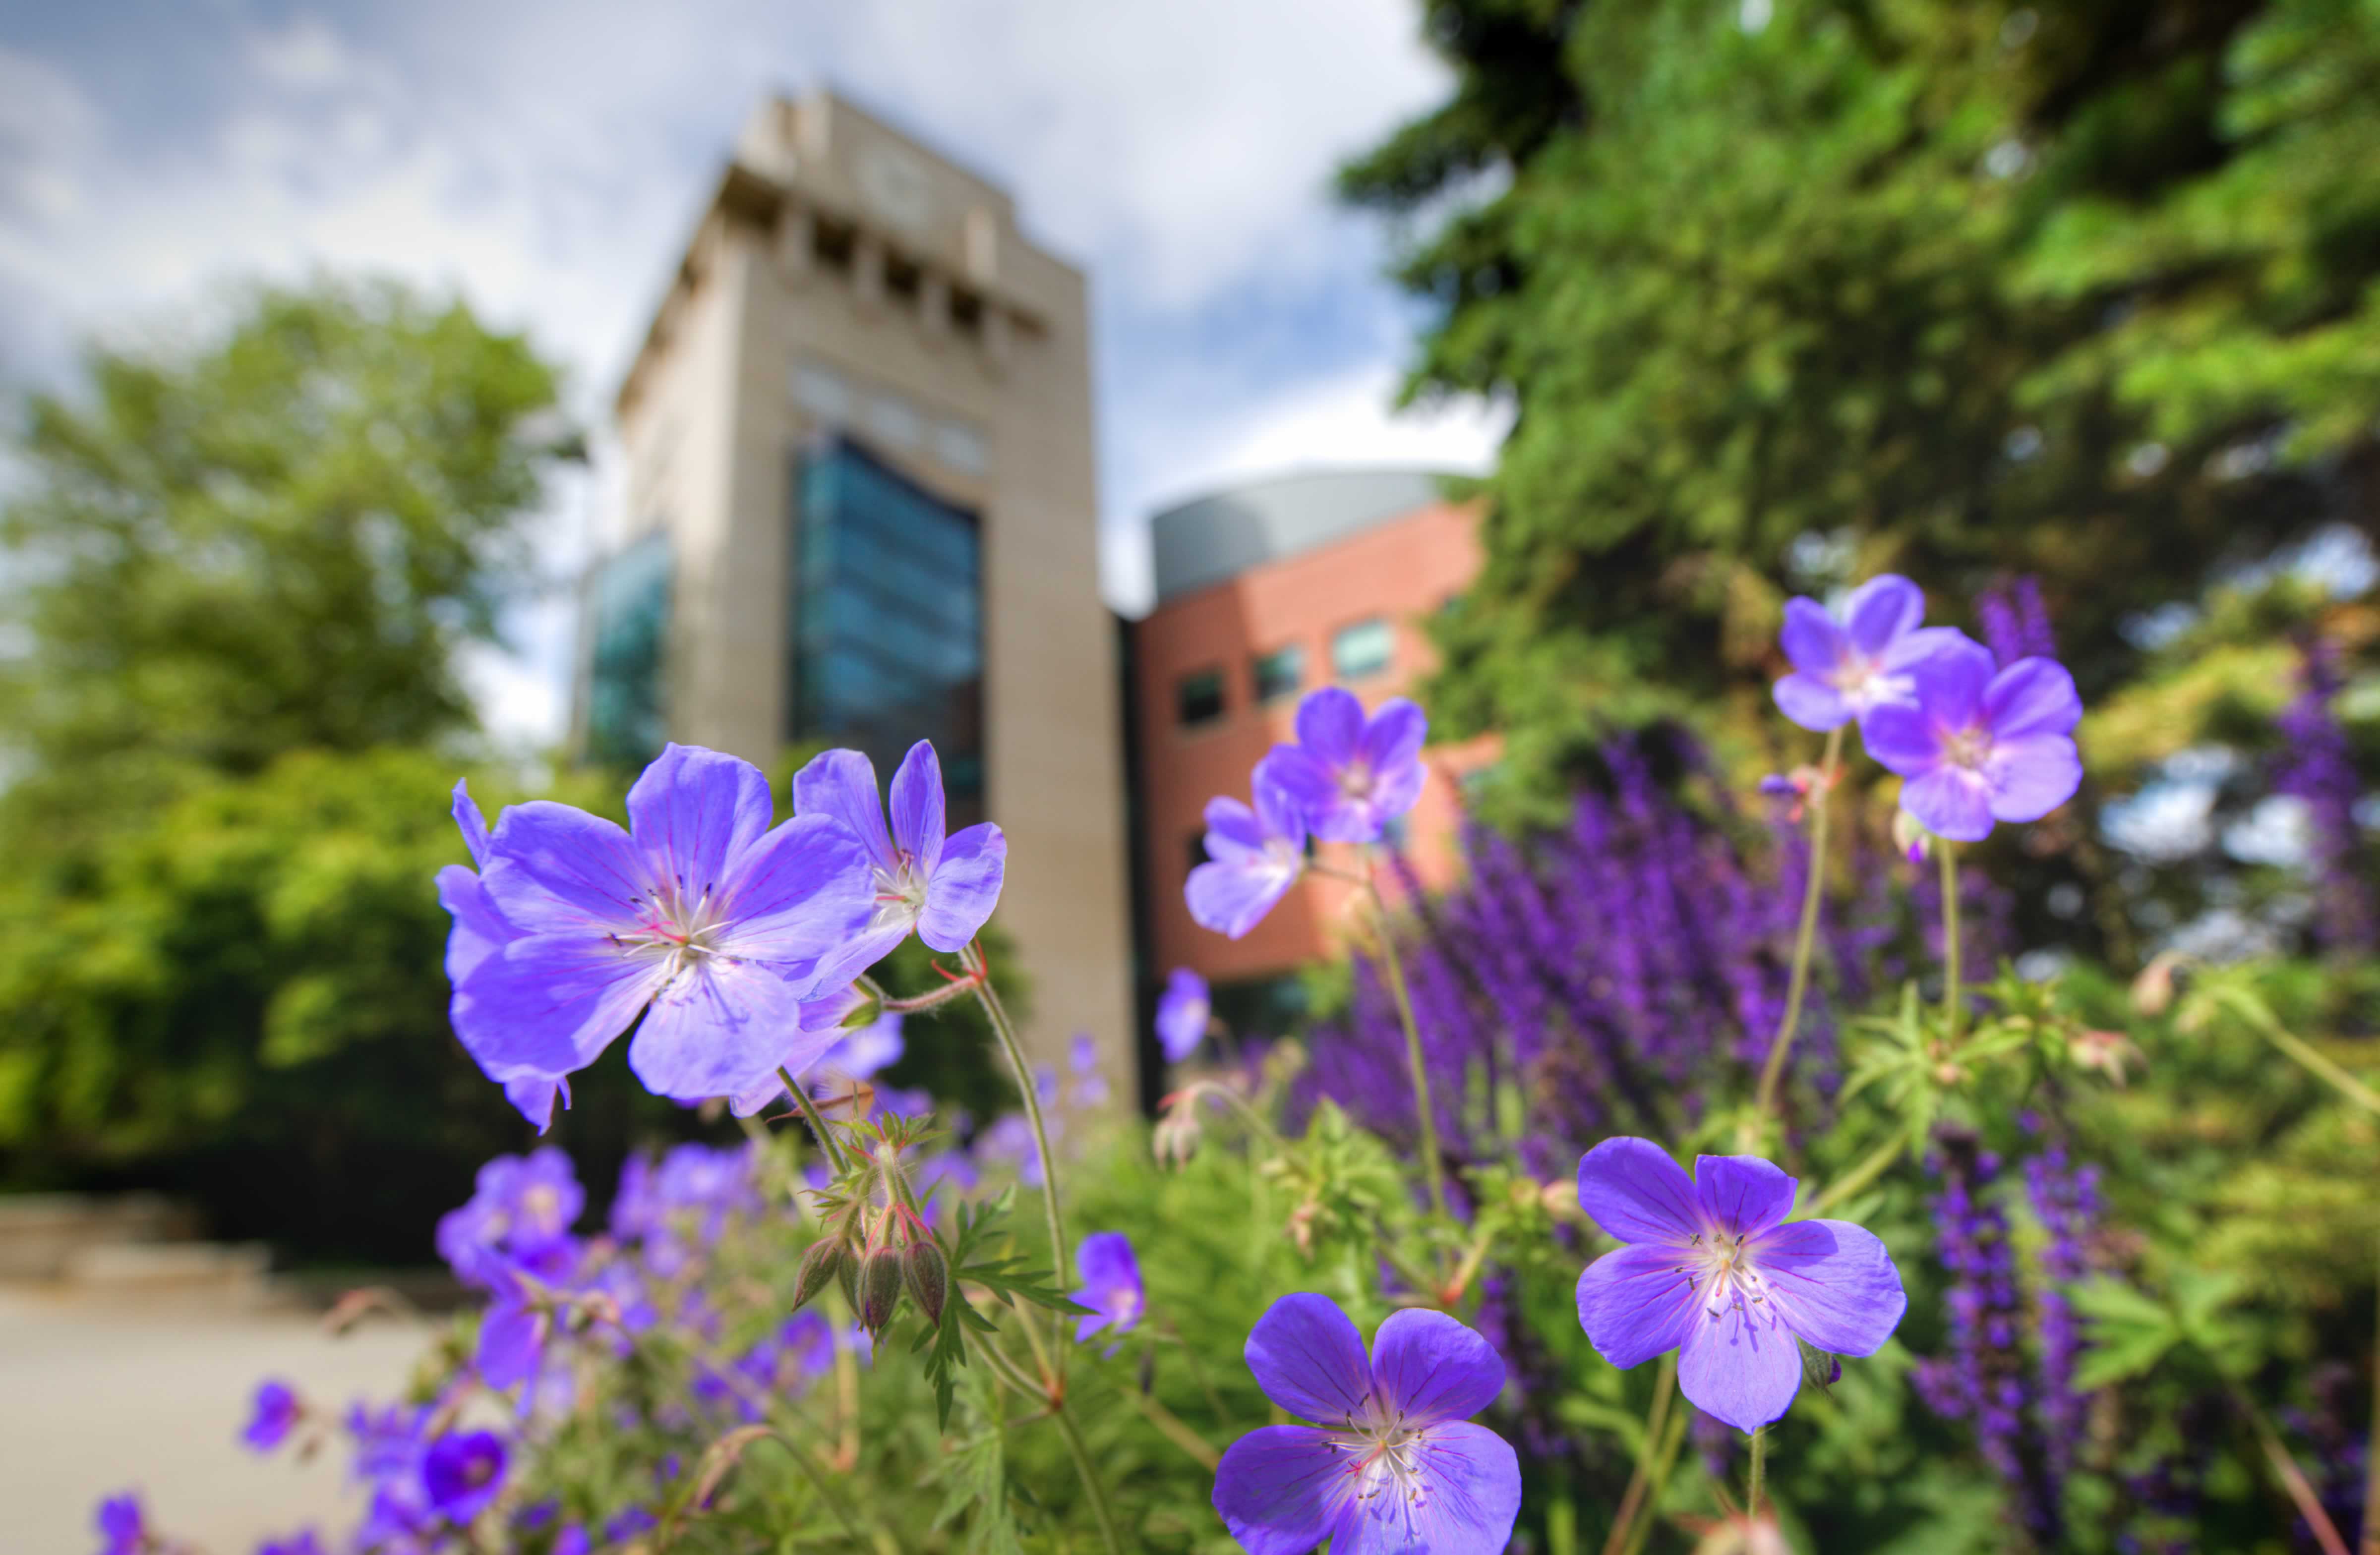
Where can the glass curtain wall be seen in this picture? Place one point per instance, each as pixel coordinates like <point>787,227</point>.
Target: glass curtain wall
<point>887,619</point>
<point>629,599</point>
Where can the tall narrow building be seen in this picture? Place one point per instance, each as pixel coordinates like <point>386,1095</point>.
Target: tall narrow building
<point>861,512</point>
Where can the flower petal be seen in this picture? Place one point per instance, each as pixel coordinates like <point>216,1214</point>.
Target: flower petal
<point>843,784</point>
<point>1834,1284</point>
<point>1632,1189</point>
<point>715,1030</point>
<point>1811,703</point>
<point>1104,1261</point>
<point>1740,1368</point>
<point>1232,897</point>
<point>1880,610</point>
<point>1743,1194</point>
<point>1433,1367</point>
<point>1231,828</point>
<point>477,932</point>
<point>2031,776</point>
<point>473,825</point>
<point>561,871</point>
<point>1308,1358</point>
<point>1278,811</point>
<point>692,811</point>
<point>1329,722</point>
<point>796,897</point>
<point>1182,1014</point>
<point>1472,1495</point>
<point>1900,737</point>
<point>918,807</point>
<point>1636,1302</point>
<point>1397,790</point>
<point>1393,735</point>
<point>533,1095</point>
<point>1280,1488</point>
<point>1952,801</point>
<point>1302,785</point>
<point>1812,639</point>
<point>1951,679</point>
<point>2031,697</point>
<point>548,1004</point>
<point>512,1338</point>
<point>964,891</point>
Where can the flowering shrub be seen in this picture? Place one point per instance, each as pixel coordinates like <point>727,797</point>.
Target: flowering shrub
<point>1889,1296</point>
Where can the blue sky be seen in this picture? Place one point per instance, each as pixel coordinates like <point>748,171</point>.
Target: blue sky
<point>546,160</point>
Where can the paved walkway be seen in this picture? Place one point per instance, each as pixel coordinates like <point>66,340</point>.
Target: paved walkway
<point>102,1395</point>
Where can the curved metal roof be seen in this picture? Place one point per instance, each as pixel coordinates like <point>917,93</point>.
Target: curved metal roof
<point>1210,539</point>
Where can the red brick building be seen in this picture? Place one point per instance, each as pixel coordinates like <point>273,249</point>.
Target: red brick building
<point>1263,594</point>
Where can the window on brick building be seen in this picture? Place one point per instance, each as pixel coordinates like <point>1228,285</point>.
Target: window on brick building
<point>1280,673</point>
<point>1198,697</point>
<point>1362,648</point>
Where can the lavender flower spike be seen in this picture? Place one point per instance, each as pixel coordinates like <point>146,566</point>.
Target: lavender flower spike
<point>1348,774</point>
<point>1183,1012</point>
<point>1843,668</point>
<point>1393,1467</point>
<point>1253,857</point>
<point>700,910</point>
<point>944,887</point>
<point>1977,747</point>
<point>1112,1287</point>
<point>1712,1270</point>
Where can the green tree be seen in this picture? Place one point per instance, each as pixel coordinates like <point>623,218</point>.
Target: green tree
<point>2085,290</point>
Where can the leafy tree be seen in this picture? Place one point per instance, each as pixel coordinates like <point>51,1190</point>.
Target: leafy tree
<point>1783,297</point>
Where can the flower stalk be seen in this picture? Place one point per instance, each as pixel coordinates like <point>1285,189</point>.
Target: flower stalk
<point>1429,1157</point>
<point>1950,1004</point>
<point>1005,1030</point>
<point>1798,987</point>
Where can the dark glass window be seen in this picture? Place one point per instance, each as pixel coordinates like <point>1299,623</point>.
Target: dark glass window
<point>1198,697</point>
<point>1280,673</point>
<point>628,610</point>
<point>1198,848</point>
<point>887,619</point>
<point>1362,648</point>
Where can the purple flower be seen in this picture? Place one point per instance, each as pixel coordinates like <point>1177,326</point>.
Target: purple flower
<point>1083,1057</point>
<point>571,1540</point>
<point>520,1208</point>
<point>122,1525</point>
<point>942,887</point>
<point>479,931</point>
<point>303,1542</point>
<point>700,910</point>
<point>1844,667</point>
<point>1977,747</point>
<point>462,1472</point>
<point>1253,858</point>
<point>814,1041</point>
<point>277,1410</point>
<point>1394,1467</point>
<point>1112,1287</point>
<point>512,1331</point>
<point>1349,776</point>
<point>629,1525</point>
<point>1712,1270</point>
<point>1183,1012</point>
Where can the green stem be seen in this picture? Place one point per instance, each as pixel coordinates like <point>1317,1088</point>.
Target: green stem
<point>1665,1391</point>
<point>2297,1047</point>
<point>1430,1162</point>
<point>1098,1492</point>
<point>1665,1455</point>
<point>1807,935</point>
<point>1006,1031</point>
<point>2293,1478</point>
<point>1950,938</point>
<point>817,1124</point>
<point>2372,1460</point>
<point>1866,1172</point>
<point>1760,1470</point>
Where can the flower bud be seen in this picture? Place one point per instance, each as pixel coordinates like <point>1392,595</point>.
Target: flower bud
<point>879,1289</point>
<point>929,1278</point>
<point>1913,840</point>
<point>2153,990</point>
<point>864,1014</point>
<point>846,1275</point>
<point>821,1263</point>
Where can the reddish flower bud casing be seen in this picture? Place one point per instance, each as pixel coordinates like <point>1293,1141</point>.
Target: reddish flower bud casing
<point>929,1278</point>
<point>879,1289</point>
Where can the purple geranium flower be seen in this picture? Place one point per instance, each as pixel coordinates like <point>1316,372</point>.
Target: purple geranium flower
<point>480,932</point>
<point>1393,1467</point>
<point>1348,775</point>
<point>1843,668</point>
<point>1112,1287</point>
<point>276,1412</point>
<point>1978,747</point>
<point>1712,1270</point>
<point>700,910</point>
<point>942,887</point>
<point>462,1472</point>
<point>819,1044</point>
<point>513,1330</point>
<point>520,1208</point>
<point>1183,1012</point>
<point>122,1525</point>
<point>1253,858</point>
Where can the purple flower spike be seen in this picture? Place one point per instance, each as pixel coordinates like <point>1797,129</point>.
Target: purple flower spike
<point>1843,668</point>
<point>1112,1287</point>
<point>700,910</point>
<point>462,1472</point>
<point>1183,1012</point>
<point>1712,1270</point>
<point>1253,858</point>
<point>1978,747</point>
<point>122,1525</point>
<point>276,1412</point>
<point>1349,776</point>
<point>1395,1466</point>
<point>942,887</point>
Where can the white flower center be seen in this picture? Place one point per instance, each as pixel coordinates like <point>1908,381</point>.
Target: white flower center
<point>1721,1268</point>
<point>679,934</point>
<point>1383,1454</point>
<point>1969,748</point>
<point>1355,780</point>
<point>900,893</point>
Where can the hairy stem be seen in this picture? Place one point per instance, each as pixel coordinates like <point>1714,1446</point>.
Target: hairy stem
<point>2297,1047</point>
<point>1175,1430</point>
<point>1950,1010</point>
<point>1005,1030</point>
<point>1665,1393</point>
<point>817,1124</point>
<point>1064,1415</point>
<point>1859,1176</point>
<point>1760,1470</point>
<point>1806,936</point>
<point>1663,1457</point>
<point>1396,971</point>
